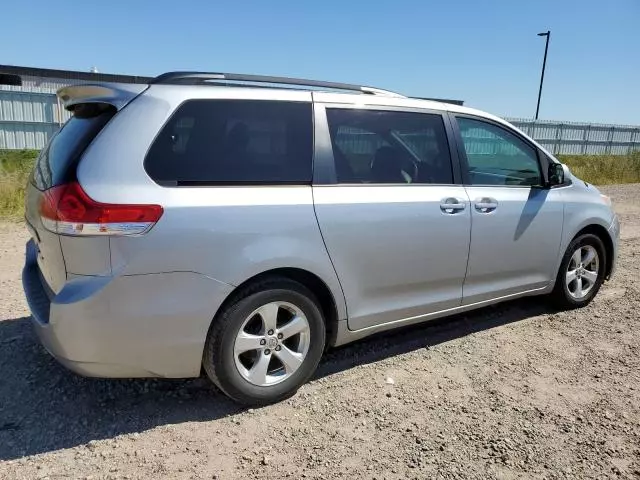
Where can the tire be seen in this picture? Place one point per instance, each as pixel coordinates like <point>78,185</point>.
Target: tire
<point>233,373</point>
<point>562,295</point>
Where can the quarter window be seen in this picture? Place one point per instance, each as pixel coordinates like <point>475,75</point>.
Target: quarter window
<point>56,162</point>
<point>209,142</point>
<point>372,146</point>
<point>496,156</point>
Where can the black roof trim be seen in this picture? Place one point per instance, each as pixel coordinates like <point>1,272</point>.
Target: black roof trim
<point>8,79</point>
<point>442,100</point>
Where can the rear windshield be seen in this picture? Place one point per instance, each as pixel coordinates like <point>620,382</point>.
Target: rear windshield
<point>57,161</point>
<point>213,142</point>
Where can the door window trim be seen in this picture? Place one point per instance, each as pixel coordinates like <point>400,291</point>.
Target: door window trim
<point>324,172</point>
<point>462,153</point>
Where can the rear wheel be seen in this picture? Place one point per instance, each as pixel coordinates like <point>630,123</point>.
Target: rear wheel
<point>264,345</point>
<point>581,272</point>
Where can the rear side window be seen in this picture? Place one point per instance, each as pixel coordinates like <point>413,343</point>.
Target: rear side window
<point>209,142</point>
<point>372,146</point>
<point>57,161</point>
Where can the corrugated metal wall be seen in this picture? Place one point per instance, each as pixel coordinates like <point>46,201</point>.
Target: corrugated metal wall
<point>31,114</point>
<point>38,85</point>
<point>581,138</point>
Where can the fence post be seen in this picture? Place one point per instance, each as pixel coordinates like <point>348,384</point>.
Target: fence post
<point>633,140</point>
<point>585,139</point>
<point>610,140</point>
<point>59,112</point>
<point>558,138</point>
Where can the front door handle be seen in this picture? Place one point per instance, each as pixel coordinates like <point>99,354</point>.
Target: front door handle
<point>452,205</point>
<point>485,204</point>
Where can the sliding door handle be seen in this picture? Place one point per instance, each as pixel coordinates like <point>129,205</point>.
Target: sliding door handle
<point>485,205</point>
<point>452,205</point>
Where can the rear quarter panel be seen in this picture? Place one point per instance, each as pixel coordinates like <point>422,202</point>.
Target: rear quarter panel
<point>231,234</point>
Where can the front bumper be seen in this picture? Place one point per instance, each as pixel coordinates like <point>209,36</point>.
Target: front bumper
<point>151,325</point>
<point>614,233</point>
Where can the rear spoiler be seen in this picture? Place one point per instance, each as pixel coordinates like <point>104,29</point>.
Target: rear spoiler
<point>116,94</point>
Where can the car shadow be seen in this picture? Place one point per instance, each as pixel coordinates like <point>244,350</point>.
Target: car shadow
<point>44,407</point>
<point>535,202</point>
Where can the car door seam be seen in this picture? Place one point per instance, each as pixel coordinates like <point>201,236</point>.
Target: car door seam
<point>466,274</point>
<point>326,249</point>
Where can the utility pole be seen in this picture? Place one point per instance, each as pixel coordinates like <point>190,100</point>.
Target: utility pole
<point>544,65</point>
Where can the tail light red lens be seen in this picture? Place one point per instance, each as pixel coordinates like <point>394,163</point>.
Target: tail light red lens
<point>67,209</point>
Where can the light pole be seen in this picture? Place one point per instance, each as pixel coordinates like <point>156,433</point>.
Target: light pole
<point>544,65</point>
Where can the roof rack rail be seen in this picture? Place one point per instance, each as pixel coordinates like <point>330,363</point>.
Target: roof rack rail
<point>195,78</point>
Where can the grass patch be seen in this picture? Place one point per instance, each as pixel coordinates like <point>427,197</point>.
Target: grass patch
<point>15,166</point>
<point>604,169</point>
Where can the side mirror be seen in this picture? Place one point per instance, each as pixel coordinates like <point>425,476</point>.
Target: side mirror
<point>556,174</point>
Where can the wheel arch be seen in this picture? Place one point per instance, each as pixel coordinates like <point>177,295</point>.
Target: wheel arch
<point>603,234</point>
<point>324,295</point>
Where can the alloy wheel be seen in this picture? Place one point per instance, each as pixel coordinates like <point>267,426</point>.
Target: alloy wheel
<point>582,271</point>
<point>272,343</point>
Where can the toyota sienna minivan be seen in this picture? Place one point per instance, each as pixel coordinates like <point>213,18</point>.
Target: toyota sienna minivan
<point>241,224</point>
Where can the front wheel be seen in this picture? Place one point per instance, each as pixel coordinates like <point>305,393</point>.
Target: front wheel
<point>267,343</point>
<point>581,272</point>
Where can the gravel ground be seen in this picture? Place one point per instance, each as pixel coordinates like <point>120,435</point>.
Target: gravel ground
<point>512,391</point>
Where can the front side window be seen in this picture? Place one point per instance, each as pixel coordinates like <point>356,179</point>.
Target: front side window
<point>496,156</point>
<point>209,142</point>
<point>372,146</point>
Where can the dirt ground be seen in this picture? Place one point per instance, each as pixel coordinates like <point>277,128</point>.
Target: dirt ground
<point>511,391</point>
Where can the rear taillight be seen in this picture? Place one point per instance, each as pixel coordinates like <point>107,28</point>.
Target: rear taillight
<point>68,210</point>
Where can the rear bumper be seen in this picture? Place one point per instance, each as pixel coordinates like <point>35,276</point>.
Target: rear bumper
<point>151,325</point>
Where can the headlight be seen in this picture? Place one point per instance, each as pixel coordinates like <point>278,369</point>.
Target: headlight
<point>606,199</point>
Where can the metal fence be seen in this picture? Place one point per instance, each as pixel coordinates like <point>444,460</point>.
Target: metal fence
<point>581,138</point>
<point>29,118</point>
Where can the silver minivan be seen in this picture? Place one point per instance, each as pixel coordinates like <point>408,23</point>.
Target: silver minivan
<point>241,224</point>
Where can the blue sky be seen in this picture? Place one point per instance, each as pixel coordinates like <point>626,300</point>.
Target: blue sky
<point>484,52</point>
